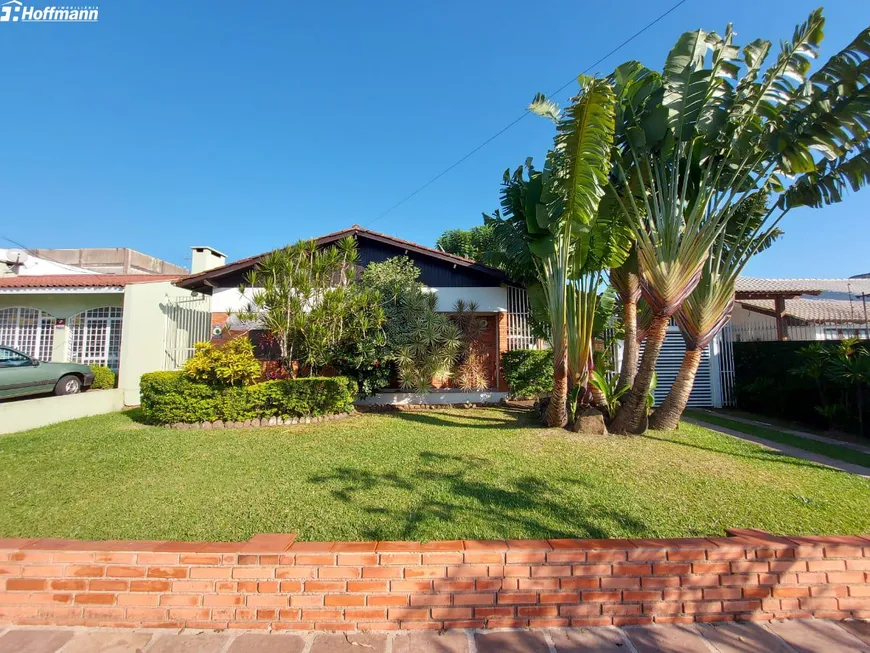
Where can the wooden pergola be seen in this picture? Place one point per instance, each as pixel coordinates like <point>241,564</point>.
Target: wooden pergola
<point>778,312</point>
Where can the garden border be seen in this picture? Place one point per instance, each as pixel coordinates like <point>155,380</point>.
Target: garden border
<point>273,582</point>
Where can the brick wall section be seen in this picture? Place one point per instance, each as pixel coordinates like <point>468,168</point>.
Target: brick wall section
<point>273,582</point>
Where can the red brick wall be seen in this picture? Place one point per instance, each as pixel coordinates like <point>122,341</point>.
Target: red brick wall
<point>273,582</point>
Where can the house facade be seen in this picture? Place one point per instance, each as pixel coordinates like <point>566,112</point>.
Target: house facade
<point>500,302</point>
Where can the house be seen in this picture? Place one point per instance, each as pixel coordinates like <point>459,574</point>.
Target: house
<point>500,301</point>
<point>801,309</point>
<point>132,323</point>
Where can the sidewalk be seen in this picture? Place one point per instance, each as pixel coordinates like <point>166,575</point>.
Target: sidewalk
<point>789,450</point>
<point>800,636</point>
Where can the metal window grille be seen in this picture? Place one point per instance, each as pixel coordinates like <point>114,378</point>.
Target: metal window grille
<point>519,330</point>
<point>95,337</point>
<point>188,321</point>
<point>28,330</point>
<point>726,364</point>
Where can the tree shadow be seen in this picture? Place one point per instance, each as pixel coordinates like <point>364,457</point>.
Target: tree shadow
<point>529,505</point>
<point>507,418</point>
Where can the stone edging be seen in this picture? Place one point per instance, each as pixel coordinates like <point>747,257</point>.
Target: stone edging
<point>260,422</point>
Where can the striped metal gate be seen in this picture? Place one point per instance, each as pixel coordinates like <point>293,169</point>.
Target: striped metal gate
<point>188,321</point>
<point>668,366</point>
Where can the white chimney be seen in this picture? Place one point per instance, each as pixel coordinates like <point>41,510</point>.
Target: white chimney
<point>205,258</point>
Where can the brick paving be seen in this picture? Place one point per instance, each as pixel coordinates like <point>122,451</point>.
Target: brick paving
<point>799,636</point>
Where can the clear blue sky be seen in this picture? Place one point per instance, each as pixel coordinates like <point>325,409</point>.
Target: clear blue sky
<point>247,125</point>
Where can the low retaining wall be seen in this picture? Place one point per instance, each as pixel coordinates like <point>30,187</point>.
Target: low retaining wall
<point>273,582</point>
<point>434,398</point>
<point>24,414</point>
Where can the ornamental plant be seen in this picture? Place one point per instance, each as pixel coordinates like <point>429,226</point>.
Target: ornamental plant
<point>232,363</point>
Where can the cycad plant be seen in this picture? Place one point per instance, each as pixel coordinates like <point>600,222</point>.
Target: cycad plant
<point>711,130</point>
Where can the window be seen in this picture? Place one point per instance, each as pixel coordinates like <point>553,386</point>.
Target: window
<point>95,337</point>
<point>10,358</point>
<point>28,330</point>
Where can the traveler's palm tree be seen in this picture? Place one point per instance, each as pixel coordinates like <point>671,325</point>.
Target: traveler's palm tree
<point>711,130</point>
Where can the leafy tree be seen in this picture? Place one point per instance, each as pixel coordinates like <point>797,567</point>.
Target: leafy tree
<point>308,300</point>
<point>572,241</point>
<point>422,342</point>
<point>471,243</point>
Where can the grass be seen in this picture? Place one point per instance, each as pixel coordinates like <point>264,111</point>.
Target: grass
<point>807,444</point>
<point>486,473</point>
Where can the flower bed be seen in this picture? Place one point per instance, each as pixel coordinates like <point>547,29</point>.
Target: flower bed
<point>173,398</point>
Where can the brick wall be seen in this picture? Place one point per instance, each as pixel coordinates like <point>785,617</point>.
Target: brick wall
<point>273,582</point>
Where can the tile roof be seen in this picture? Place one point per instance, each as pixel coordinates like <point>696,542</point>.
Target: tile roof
<point>82,280</point>
<point>817,311</point>
<point>803,286</point>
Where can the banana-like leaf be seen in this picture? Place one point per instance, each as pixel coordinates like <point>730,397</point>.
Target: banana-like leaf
<point>828,183</point>
<point>686,83</point>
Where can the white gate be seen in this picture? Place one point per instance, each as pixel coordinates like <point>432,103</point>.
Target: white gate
<point>188,321</point>
<point>726,365</point>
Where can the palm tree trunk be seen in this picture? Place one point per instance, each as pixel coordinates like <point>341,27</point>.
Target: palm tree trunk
<point>631,416</point>
<point>557,410</point>
<point>631,347</point>
<point>667,416</point>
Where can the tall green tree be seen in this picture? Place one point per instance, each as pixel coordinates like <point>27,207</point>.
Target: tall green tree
<point>471,243</point>
<point>714,128</point>
<point>308,300</point>
<point>573,243</point>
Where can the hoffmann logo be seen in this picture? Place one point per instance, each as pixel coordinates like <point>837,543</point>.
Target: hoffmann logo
<point>15,11</point>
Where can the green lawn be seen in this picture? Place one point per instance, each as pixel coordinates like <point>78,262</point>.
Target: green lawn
<point>488,473</point>
<point>769,433</point>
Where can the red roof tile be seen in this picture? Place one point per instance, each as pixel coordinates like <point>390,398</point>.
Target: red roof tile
<point>82,280</point>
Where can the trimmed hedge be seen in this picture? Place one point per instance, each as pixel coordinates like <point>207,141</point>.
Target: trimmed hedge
<point>171,397</point>
<point>528,372</point>
<point>104,378</point>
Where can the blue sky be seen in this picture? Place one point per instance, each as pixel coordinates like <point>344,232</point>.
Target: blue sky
<point>246,126</point>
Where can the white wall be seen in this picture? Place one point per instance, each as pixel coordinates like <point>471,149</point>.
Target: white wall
<point>34,266</point>
<point>226,300</point>
<point>18,416</point>
<point>142,335</point>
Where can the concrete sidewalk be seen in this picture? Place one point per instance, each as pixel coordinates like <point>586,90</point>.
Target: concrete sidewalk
<point>800,636</point>
<point>788,450</point>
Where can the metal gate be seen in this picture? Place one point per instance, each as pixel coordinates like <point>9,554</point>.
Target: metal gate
<point>188,321</point>
<point>726,364</point>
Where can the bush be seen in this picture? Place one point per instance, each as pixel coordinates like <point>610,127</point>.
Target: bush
<point>104,378</point>
<point>529,372</point>
<point>169,397</point>
<point>233,363</point>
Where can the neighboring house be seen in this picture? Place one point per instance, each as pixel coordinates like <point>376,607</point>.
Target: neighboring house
<point>132,323</point>
<point>500,301</point>
<point>802,309</point>
<point>89,260</point>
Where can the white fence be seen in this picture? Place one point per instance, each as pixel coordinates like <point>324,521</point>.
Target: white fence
<point>188,321</point>
<point>754,332</point>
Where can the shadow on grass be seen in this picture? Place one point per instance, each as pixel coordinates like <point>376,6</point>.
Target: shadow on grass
<point>507,418</point>
<point>529,504</point>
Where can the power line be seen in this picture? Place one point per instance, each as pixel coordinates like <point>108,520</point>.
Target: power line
<point>527,112</point>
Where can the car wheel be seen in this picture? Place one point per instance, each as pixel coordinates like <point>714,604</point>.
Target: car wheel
<point>68,385</point>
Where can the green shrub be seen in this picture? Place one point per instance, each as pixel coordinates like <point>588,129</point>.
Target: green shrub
<point>169,397</point>
<point>233,363</point>
<point>528,372</point>
<point>104,378</point>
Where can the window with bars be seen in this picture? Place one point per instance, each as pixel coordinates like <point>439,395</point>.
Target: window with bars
<point>520,334</point>
<point>29,330</point>
<point>95,337</point>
